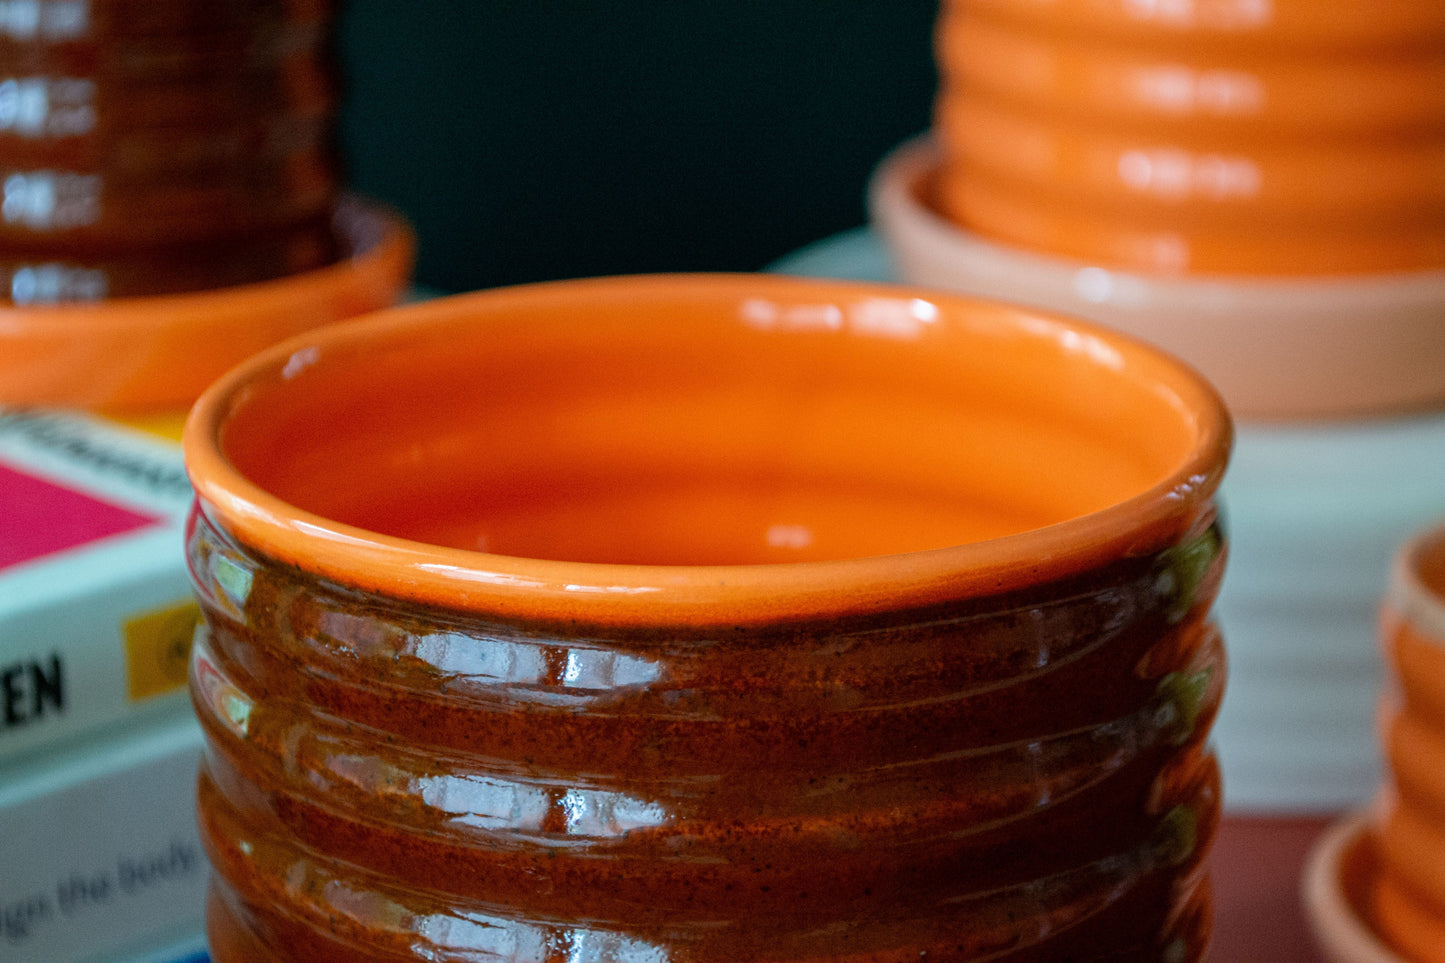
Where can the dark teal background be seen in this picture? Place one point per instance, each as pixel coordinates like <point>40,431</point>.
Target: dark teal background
<point>566,138</point>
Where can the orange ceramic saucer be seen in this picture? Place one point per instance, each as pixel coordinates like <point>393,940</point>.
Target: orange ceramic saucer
<point>136,355</point>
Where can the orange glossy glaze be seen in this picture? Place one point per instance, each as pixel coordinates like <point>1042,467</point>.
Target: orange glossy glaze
<point>139,355</point>
<point>1198,136</point>
<point>837,475</point>
<point>628,734</point>
<point>1233,24</point>
<point>798,429</point>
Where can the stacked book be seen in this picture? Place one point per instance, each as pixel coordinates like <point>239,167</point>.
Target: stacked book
<point>99,854</point>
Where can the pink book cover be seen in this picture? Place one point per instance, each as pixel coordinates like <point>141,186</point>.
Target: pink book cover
<point>39,517</point>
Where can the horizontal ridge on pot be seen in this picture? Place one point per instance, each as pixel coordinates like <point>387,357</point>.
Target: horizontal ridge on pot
<point>147,354</point>
<point>1234,139</point>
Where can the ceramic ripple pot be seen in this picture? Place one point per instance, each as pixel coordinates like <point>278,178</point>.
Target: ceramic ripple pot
<point>708,618</point>
<point>152,147</point>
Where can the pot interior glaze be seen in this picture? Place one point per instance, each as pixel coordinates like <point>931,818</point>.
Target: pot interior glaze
<point>708,618</point>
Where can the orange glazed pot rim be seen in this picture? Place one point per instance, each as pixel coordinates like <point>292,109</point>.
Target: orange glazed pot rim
<point>638,595</point>
<point>138,354</point>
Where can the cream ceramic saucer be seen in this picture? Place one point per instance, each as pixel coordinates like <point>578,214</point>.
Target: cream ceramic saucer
<point>1275,347</point>
<point>1332,888</point>
<point>1315,511</point>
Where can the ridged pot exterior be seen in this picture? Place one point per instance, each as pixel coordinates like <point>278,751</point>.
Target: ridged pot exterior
<point>1020,776</point>
<point>1233,138</point>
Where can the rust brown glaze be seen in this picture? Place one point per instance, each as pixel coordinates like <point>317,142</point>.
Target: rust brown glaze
<point>154,148</point>
<point>42,279</point>
<point>1008,763</point>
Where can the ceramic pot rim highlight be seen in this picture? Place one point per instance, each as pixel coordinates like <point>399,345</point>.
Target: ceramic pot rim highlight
<point>143,354</point>
<point>1409,597</point>
<point>508,586</point>
<point>1275,346</point>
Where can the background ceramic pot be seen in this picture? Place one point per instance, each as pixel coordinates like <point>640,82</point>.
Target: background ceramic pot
<point>597,618</point>
<point>1199,139</point>
<point>138,137</point>
<point>1408,895</point>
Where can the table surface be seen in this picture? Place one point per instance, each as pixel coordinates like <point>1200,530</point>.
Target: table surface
<point>1255,867</point>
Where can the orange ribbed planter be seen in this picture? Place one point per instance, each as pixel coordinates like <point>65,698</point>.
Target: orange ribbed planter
<point>1234,137</point>
<point>708,619</point>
